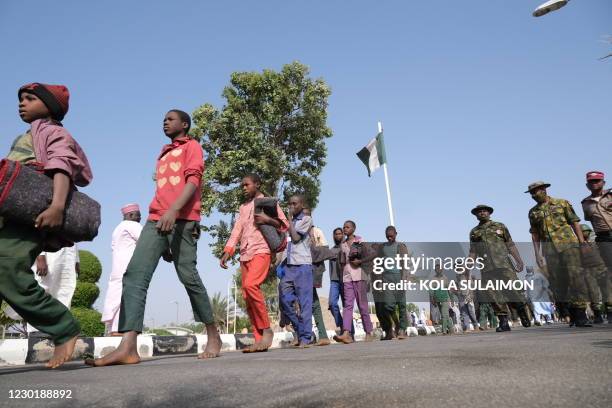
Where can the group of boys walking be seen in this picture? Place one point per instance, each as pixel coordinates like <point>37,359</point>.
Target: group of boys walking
<point>172,229</point>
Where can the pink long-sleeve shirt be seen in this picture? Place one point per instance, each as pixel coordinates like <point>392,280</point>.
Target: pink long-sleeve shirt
<point>56,149</point>
<point>246,233</point>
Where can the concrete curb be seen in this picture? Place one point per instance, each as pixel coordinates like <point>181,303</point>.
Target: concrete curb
<point>15,352</point>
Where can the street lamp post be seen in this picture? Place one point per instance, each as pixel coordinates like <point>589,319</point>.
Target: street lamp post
<point>177,317</point>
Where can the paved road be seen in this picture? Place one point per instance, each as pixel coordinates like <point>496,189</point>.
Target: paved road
<point>536,367</point>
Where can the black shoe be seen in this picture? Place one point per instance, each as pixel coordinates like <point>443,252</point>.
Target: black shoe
<point>580,318</point>
<point>598,317</point>
<point>503,324</point>
<point>524,317</point>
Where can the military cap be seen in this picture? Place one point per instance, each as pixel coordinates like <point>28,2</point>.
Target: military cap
<point>536,184</point>
<point>482,207</point>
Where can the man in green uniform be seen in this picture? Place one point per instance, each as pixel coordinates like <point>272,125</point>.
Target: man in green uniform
<point>557,237</point>
<point>491,241</point>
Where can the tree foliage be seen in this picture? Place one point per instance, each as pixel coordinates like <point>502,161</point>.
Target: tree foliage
<point>273,124</point>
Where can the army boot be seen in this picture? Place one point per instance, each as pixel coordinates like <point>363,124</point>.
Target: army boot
<point>503,324</point>
<point>580,318</point>
<point>524,316</point>
<point>598,319</point>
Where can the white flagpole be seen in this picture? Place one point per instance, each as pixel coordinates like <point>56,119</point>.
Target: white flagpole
<point>380,129</point>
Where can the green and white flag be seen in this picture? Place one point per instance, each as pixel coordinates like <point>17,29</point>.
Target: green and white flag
<point>373,155</point>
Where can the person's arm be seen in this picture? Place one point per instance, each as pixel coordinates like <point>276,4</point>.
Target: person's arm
<point>77,260</point>
<point>235,236</point>
<point>300,229</point>
<point>41,265</point>
<point>513,250</point>
<point>167,221</point>
<point>535,239</point>
<point>53,217</point>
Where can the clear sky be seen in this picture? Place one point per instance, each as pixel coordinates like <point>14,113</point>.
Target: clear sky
<point>477,99</point>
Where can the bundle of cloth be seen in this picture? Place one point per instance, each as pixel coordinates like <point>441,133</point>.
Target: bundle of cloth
<point>277,241</point>
<point>25,193</point>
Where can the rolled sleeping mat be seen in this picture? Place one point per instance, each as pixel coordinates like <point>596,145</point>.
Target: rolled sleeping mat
<point>277,241</point>
<point>25,193</point>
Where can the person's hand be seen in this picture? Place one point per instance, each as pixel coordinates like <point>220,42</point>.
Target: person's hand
<point>224,259</point>
<point>41,265</point>
<point>167,256</point>
<point>356,263</point>
<point>52,217</point>
<point>261,219</point>
<point>585,248</point>
<point>167,221</point>
<point>540,261</point>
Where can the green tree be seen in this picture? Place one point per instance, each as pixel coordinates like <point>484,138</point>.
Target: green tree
<point>273,124</point>
<point>85,295</point>
<point>411,307</point>
<point>219,310</point>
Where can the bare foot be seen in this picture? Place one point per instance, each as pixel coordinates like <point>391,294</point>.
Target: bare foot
<point>266,340</point>
<point>302,345</point>
<point>126,353</point>
<point>213,346</point>
<point>323,342</point>
<point>62,353</point>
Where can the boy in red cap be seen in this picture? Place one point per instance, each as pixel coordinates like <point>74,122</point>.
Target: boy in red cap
<point>49,148</point>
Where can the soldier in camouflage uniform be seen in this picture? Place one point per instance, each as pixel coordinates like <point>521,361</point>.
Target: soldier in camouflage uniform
<point>597,278</point>
<point>556,234</point>
<point>491,241</point>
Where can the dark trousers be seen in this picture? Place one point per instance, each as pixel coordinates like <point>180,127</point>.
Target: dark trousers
<point>182,242</point>
<point>317,313</point>
<point>389,303</point>
<point>19,247</point>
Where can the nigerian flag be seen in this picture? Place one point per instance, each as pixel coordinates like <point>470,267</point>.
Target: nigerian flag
<point>373,155</point>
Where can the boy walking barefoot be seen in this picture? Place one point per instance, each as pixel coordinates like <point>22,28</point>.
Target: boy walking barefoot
<point>49,147</point>
<point>171,231</point>
<point>255,259</point>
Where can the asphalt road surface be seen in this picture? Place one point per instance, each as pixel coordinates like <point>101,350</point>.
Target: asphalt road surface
<point>552,366</point>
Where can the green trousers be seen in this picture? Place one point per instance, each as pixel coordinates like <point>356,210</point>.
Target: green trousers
<point>598,285</point>
<point>317,313</point>
<point>182,243</point>
<point>500,298</point>
<point>446,321</point>
<point>390,303</point>
<point>19,247</point>
<point>566,277</point>
<point>487,313</point>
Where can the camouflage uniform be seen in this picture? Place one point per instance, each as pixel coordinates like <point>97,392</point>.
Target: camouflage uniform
<point>490,240</point>
<point>552,221</point>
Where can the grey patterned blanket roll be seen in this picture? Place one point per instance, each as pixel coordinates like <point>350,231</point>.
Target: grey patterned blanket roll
<point>25,193</point>
<point>276,240</point>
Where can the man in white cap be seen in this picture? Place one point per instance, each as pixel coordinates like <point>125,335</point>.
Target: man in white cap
<point>123,243</point>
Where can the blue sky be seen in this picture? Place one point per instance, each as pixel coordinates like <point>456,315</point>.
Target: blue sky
<point>477,98</point>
